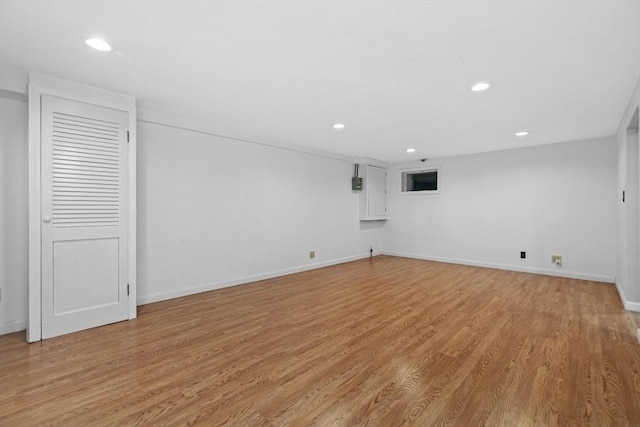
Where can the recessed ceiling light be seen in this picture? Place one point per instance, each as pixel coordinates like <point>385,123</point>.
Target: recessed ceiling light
<point>480,86</point>
<point>99,44</point>
<point>411,150</point>
<point>522,133</point>
<point>338,125</point>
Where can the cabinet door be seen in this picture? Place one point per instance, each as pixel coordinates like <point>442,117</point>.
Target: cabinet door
<point>376,192</point>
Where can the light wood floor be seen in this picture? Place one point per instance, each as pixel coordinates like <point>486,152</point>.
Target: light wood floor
<point>392,342</point>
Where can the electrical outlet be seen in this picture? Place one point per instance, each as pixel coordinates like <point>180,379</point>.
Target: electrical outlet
<point>556,259</point>
<point>523,254</point>
<point>312,254</point>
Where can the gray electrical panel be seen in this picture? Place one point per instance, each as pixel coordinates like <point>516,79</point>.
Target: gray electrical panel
<point>356,181</point>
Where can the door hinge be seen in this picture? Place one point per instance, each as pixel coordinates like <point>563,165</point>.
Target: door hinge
<point>127,289</point>
<point>127,136</point>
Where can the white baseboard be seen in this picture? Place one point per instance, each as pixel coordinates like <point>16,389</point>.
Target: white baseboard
<point>631,306</point>
<point>557,273</point>
<point>11,327</point>
<point>628,305</point>
<point>147,299</point>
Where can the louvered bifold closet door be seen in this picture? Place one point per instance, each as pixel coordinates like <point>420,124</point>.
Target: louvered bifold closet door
<point>84,223</point>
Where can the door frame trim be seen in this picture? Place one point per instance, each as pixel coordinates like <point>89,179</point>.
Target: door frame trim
<point>40,85</point>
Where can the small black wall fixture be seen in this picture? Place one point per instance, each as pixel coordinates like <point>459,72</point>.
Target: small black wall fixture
<point>356,181</point>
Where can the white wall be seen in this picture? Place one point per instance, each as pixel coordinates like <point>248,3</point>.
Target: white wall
<point>13,211</point>
<point>628,290</point>
<point>551,199</point>
<point>214,212</point>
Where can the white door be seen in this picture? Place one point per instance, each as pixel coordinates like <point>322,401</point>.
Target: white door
<point>84,216</point>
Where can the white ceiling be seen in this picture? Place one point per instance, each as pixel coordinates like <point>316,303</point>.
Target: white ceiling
<point>396,73</point>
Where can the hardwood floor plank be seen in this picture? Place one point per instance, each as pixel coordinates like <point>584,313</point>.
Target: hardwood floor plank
<point>388,342</point>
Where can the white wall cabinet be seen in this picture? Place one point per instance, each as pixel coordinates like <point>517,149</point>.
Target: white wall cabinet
<point>373,197</point>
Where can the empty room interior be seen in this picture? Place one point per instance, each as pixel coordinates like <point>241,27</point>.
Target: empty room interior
<point>328,213</point>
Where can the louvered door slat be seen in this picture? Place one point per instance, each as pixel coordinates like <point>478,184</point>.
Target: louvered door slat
<point>84,173</point>
<point>84,136</point>
<point>87,143</point>
<point>68,175</point>
<point>80,144</point>
<point>90,180</point>
<point>84,129</point>
<point>64,166</point>
<point>83,192</point>
<point>88,120</point>
<point>63,121</point>
<point>61,206</point>
<point>82,161</point>
<point>82,187</point>
<point>81,152</point>
<point>74,210</point>
<point>77,160</point>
